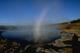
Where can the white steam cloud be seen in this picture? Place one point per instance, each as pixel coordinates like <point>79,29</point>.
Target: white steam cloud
<point>55,8</point>
<point>39,24</point>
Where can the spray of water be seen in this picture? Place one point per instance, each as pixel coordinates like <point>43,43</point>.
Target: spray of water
<point>38,28</point>
<point>39,25</point>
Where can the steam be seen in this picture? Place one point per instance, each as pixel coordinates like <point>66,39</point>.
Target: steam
<point>39,25</point>
<point>40,22</point>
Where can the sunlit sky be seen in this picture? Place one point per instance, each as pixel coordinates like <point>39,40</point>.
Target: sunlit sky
<point>17,12</point>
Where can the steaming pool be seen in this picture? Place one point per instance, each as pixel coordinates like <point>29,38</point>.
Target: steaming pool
<point>29,35</point>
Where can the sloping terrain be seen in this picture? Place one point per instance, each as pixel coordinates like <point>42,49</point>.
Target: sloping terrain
<point>73,26</point>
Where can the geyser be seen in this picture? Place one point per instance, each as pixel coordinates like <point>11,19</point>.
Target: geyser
<point>38,28</point>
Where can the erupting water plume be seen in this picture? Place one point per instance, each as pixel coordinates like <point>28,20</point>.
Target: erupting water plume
<point>39,25</point>
<point>55,8</point>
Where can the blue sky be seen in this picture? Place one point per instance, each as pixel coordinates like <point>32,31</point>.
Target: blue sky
<point>23,12</point>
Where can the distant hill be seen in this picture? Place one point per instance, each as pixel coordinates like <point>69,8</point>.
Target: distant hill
<point>2,27</point>
<point>72,26</point>
<point>75,21</point>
